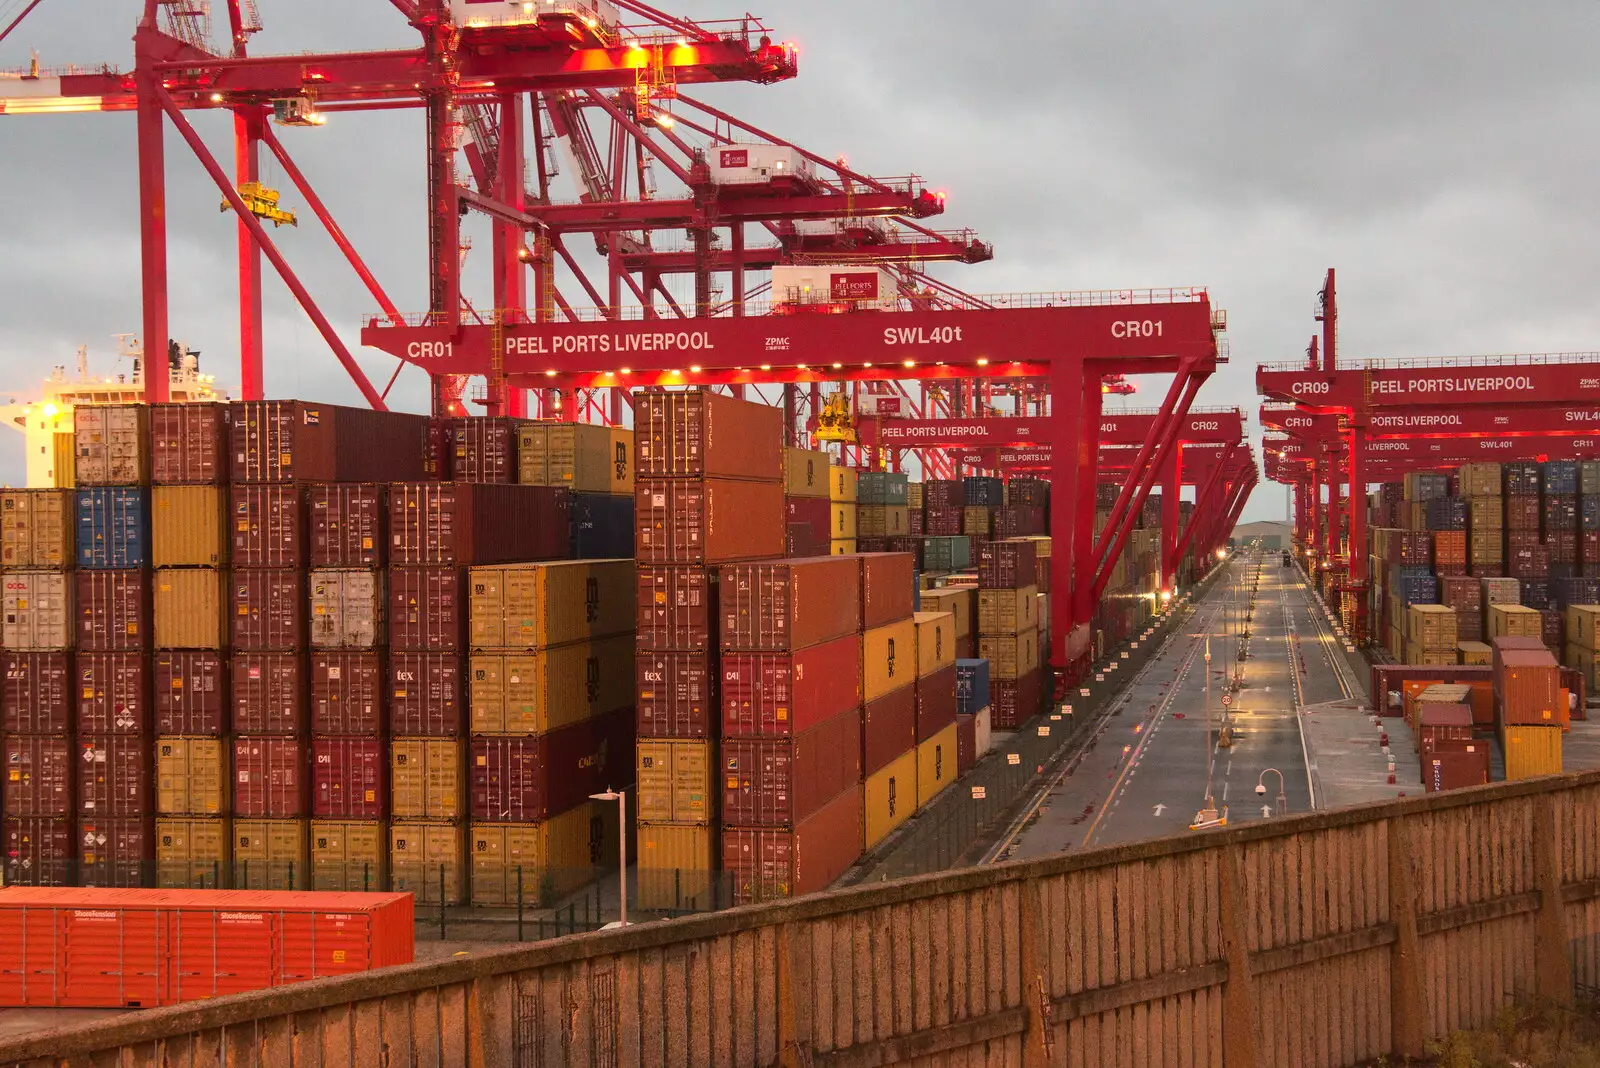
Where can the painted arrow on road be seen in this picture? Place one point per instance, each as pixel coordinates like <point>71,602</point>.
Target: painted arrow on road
<point>1160,809</point>
<point>1266,811</point>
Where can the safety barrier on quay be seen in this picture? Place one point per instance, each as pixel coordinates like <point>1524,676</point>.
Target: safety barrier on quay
<point>1315,940</point>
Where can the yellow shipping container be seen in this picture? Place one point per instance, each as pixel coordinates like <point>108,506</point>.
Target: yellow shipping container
<point>882,520</point>
<point>1531,751</point>
<point>533,606</point>
<point>677,866</point>
<point>271,855</point>
<point>1431,627</point>
<point>1010,656</point>
<point>958,602</point>
<point>574,455</point>
<point>425,857</point>
<point>556,856</point>
<point>190,608</point>
<point>976,520</point>
<point>187,525</point>
<point>1474,653</point>
<point>192,776</point>
<point>891,797</point>
<point>194,854</point>
<point>805,473</point>
<point>531,693</point>
<point>349,855</point>
<point>842,485</point>
<point>843,521</point>
<point>936,641</point>
<point>1008,611</point>
<point>64,455</point>
<point>842,547</point>
<point>888,659</point>
<point>621,461</point>
<point>427,778</point>
<point>1514,619</point>
<point>674,780</point>
<point>36,528</point>
<point>1587,663</point>
<point>936,764</point>
<point>1581,625</point>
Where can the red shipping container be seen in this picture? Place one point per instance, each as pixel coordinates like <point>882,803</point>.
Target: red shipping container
<point>1456,770</point>
<point>528,779</point>
<point>38,852</point>
<point>1527,685</point>
<point>770,863</point>
<point>776,695</point>
<point>799,542</point>
<point>778,782</point>
<point>1553,628</point>
<point>427,609</point>
<point>676,608</point>
<point>1563,547</point>
<point>38,775</point>
<point>191,693</point>
<point>707,521</point>
<point>1013,701</point>
<point>809,521</point>
<point>1439,722</point>
<point>675,693</point>
<point>696,433</point>
<point>37,698</point>
<point>1008,565</point>
<point>111,694</point>
<point>269,777</point>
<point>915,523</point>
<point>483,449</point>
<point>793,604</point>
<point>267,524</point>
<point>346,528</point>
<point>294,441</point>
<point>117,852</point>
<point>188,444</point>
<point>888,729</point>
<point>425,695</point>
<point>347,693</point>
<point>436,452</point>
<point>948,493</point>
<point>966,743</point>
<point>475,523</point>
<point>1522,513</point>
<point>115,949</point>
<point>114,776</point>
<point>349,778</point>
<point>111,611</point>
<point>269,609</point>
<point>936,702</point>
<point>941,522</point>
<point>269,693</point>
<point>888,588</point>
<point>1462,594</point>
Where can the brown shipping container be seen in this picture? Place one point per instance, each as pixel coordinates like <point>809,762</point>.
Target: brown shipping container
<point>777,695</point>
<point>113,775</point>
<point>111,610</point>
<point>888,658</point>
<point>39,774</point>
<point>269,693</point>
<point>190,606</point>
<point>37,528</point>
<point>675,694</point>
<point>191,693</point>
<point>1456,770</point>
<point>1522,513</point>
<point>707,521</point>
<point>289,441</point>
<point>888,729</point>
<point>38,693</point>
<point>888,588</point>
<point>1528,687</point>
<point>425,695</point>
<point>530,693</point>
<point>269,609</point>
<point>426,777</point>
<point>675,780</point>
<point>117,852</point>
<point>777,782</point>
<point>425,609</point>
<point>346,608</point>
<point>532,606</point>
<point>111,694</point>
<point>349,777</point>
<point>936,702</point>
<point>789,605</point>
<point>267,525</point>
<point>188,444</point>
<point>420,852</point>
<point>696,433</point>
<point>524,780</point>
<point>269,777</point>
<point>346,526</point>
<point>188,526</point>
<point>111,445</point>
<point>574,456</point>
<point>769,863</point>
<point>483,449</point>
<point>347,693</point>
<point>676,608</point>
<point>38,610</point>
<point>1008,565</point>
<point>1014,701</point>
<point>38,851</point>
<point>467,523</point>
<point>349,856</point>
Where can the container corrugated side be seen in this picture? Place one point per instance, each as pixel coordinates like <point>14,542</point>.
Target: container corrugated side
<point>780,694</point>
<point>117,852</point>
<point>112,689</point>
<point>1531,751</point>
<point>38,528</point>
<point>113,775</point>
<point>271,776</point>
<point>788,605</point>
<point>677,866</point>
<point>188,443</point>
<point>39,850</point>
<point>888,728</point>
<point>268,693</point>
<point>621,447</point>
<point>347,692</point>
<point>349,777</point>
<point>532,606</point>
<point>267,525</point>
<point>191,693</point>
<point>888,658</point>
<point>271,854</point>
<point>576,456</point>
<point>769,863</point>
<point>707,521</point>
<point>677,608</point>
<point>111,609</point>
<point>346,524</point>
<point>192,776</point>
<point>522,779</point>
<point>111,444</point>
<point>426,609</point>
<point>675,694</point>
<point>349,855</point>
<point>936,702</point>
<point>530,693</point>
<point>39,775</point>
<point>936,764</point>
<point>890,797</point>
<point>113,527</point>
<point>188,526</point>
<point>888,588</point>
<point>936,642</point>
<point>695,433</point>
<point>425,694</point>
<point>39,693</point>
<point>290,441</point>
<point>541,863</point>
<point>1007,611</point>
<point>191,608</point>
<point>780,782</point>
<point>463,523</point>
<point>268,609</point>
<point>194,853</point>
<point>428,857</point>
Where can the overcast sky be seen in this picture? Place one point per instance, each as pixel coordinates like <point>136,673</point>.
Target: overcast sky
<point>1439,154</point>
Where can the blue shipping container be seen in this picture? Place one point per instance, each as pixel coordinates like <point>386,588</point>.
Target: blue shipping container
<point>1570,591</point>
<point>1560,476</point>
<point>972,686</point>
<point>1416,589</point>
<point>983,492</point>
<point>947,554</point>
<point>602,526</point>
<point>1536,593</point>
<point>882,487</point>
<point>113,528</point>
<point>1589,513</point>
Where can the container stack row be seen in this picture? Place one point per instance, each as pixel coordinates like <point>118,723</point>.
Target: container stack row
<point>1008,630</point>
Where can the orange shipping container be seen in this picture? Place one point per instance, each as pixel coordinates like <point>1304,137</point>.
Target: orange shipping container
<point>1450,546</point>
<point>936,642</point>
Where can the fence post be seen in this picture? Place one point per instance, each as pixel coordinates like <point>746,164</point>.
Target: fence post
<point>216,873</point>
<point>519,902</point>
<point>441,902</point>
<point>1239,1034</point>
<point>1552,975</point>
<point>1408,1008</point>
<point>291,876</point>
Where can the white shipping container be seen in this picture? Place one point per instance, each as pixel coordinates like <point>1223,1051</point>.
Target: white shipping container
<point>472,13</point>
<point>38,610</point>
<point>754,164</point>
<point>109,442</point>
<point>346,608</point>
<point>868,287</point>
<point>982,734</point>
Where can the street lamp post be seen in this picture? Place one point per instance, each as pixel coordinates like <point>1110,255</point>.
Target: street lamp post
<point>1261,789</point>
<point>621,799</point>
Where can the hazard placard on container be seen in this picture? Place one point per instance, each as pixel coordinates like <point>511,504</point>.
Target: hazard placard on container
<point>1099,677</point>
<point>979,793</point>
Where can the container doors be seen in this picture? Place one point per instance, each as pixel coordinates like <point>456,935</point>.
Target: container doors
<point>217,952</point>
<point>31,974</point>
<point>111,957</point>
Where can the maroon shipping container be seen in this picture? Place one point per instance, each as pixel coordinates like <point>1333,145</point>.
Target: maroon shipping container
<point>349,778</point>
<point>269,609</point>
<point>877,546</point>
<point>347,693</point>
<point>888,729</point>
<point>114,776</point>
<point>269,693</point>
<point>111,694</point>
<point>294,441</point>
<point>427,609</point>
<point>527,779</point>
<point>800,541</point>
<point>191,693</point>
<point>483,449</point>
<point>1411,547</point>
<point>676,608</point>
<point>1008,565</point>
<point>1563,547</point>
<point>346,528</point>
<point>436,451</point>
<point>888,588</point>
<point>675,694</point>
<point>268,525</point>
<point>776,695</point>
<point>1522,514</point>
<point>1017,519</point>
<point>188,444</point>
<point>1439,722</point>
<point>1455,770</point>
<point>39,851</point>
<point>790,605</point>
<point>695,434</point>
<point>769,863</point>
<point>474,523</point>
<point>39,771</point>
<point>813,512</point>
<point>1553,628</point>
<point>269,777</point>
<point>1462,594</point>
<point>941,522</point>
<point>936,702</point>
<point>111,611</point>
<point>707,521</point>
<point>966,743</point>
<point>37,698</point>
<point>915,523</point>
<point>117,853</point>
<point>943,493</point>
<point>778,782</point>
<point>1013,701</point>
<point>425,695</point>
